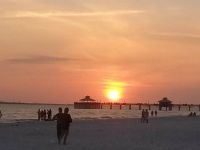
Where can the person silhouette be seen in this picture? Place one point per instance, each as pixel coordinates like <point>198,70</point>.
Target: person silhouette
<point>45,114</point>
<point>143,116</point>
<point>39,114</point>
<point>152,113</point>
<point>50,114</point>
<point>1,114</point>
<point>42,115</point>
<point>66,120</point>
<point>59,118</point>
<point>147,116</point>
<point>156,112</point>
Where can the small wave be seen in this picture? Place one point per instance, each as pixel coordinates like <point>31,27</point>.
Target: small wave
<point>11,121</point>
<point>106,117</point>
<point>86,118</point>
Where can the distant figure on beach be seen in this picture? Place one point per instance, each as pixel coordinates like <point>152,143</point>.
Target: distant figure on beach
<point>156,112</point>
<point>63,122</point>
<point>147,116</point>
<point>191,114</point>
<point>152,113</point>
<point>143,116</point>
<point>49,114</point>
<point>1,114</point>
<point>45,114</point>
<point>39,114</point>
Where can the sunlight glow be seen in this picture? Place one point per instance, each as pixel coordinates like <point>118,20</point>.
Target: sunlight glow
<point>113,95</point>
<point>114,90</point>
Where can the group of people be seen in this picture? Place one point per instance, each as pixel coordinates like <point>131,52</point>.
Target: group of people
<point>154,113</point>
<point>145,116</point>
<point>44,114</point>
<point>192,114</point>
<point>63,121</point>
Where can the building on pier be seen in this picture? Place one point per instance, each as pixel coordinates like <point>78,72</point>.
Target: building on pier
<point>165,102</point>
<point>87,103</point>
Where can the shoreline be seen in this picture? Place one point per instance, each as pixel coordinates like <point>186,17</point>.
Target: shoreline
<point>92,119</point>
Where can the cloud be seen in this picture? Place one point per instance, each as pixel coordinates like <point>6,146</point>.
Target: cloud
<point>41,60</point>
<point>176,35</point>
<point>34,14</point>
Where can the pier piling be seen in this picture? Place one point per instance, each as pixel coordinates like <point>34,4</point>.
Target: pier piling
<point>140,106</point>
<point>179,107</point>
<point>111,106</point>
<point>130,107</point>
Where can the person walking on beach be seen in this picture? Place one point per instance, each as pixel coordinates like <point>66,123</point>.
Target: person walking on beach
<point>156,112</point>
<point>49,114</point>
<point>59,118</point>
<point>0,114</point>
<point>152,113</point>
<point>147,116</point>
<point>39,114</point>
<point>66,120</point>
<point>45,114</point>
<point>143,116</point>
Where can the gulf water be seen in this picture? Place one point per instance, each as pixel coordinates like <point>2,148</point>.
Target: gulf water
<point>16,112</point>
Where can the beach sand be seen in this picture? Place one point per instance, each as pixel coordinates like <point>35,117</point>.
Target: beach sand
<point>169,133</point>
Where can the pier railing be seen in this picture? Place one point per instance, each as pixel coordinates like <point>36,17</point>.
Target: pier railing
<point>140,106</point>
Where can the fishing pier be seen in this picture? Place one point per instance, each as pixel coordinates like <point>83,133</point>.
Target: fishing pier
<point>164,104</point>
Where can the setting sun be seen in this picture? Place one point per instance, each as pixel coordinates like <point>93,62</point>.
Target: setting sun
<point>114,90</point>
<point>114,95</point>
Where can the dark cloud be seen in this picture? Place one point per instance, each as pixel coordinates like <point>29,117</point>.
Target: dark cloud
<point>42,59</point>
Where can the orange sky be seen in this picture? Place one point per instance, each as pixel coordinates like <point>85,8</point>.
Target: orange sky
<point>60,51</point>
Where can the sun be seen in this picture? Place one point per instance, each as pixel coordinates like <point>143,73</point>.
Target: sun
<point>113,90</point>
<point>113,95</point>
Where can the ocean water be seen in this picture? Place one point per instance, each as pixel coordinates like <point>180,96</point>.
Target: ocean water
<point>16,112</point>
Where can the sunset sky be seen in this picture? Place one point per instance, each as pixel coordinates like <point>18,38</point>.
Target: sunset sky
<point>58,51</point>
